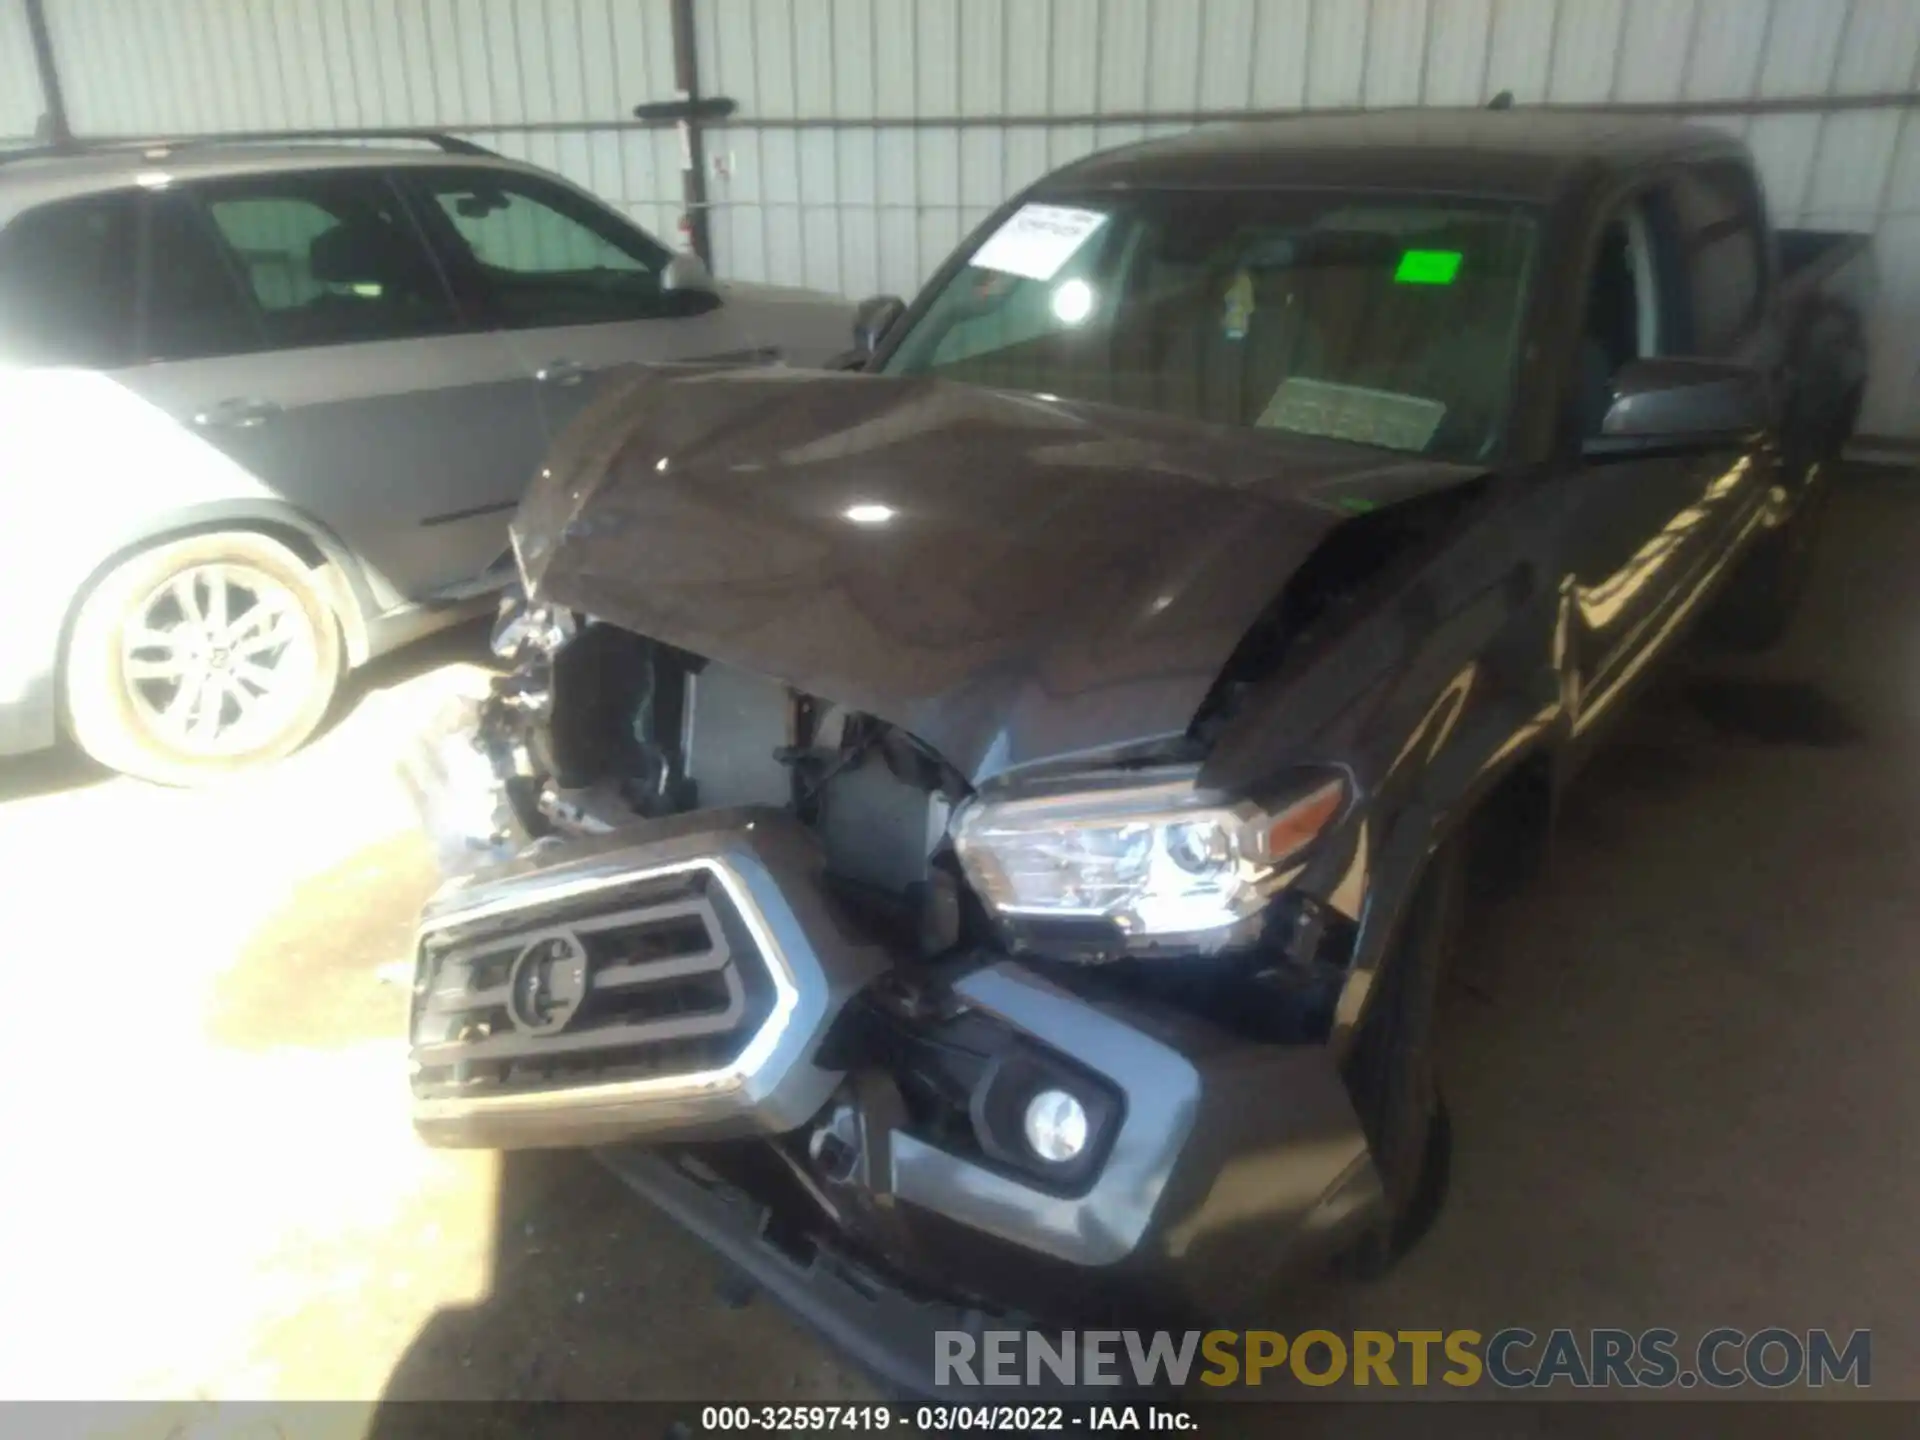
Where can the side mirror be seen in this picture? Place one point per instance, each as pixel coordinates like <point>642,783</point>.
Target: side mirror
<point>1677,401</point>
<point>872,318</point>
<point>686,275</point>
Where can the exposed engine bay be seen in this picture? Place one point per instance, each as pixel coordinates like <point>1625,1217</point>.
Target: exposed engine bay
<point>596,729</point>
<point>923,1061</point>
<point>610,727</point>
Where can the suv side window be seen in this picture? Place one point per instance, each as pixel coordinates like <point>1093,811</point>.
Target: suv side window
<point>67,282</point>
<point>329,258</point>
<point>195,306</point>
<point>532,254</point>
<point>1718,214</point>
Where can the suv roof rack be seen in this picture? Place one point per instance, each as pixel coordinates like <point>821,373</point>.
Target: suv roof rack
<point>451,144</point>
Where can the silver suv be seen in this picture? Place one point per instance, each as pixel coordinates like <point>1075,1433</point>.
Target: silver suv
<point>265,410</point>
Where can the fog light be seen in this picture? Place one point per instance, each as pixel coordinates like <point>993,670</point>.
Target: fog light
<point>1056,1126</point>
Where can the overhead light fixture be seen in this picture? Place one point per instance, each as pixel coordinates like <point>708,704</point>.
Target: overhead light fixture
<point>869,513</point>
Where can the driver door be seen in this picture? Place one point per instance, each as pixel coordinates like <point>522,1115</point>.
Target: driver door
<point>1642,528</point>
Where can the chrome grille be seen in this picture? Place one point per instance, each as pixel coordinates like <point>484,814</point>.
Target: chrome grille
<point>657,978</point>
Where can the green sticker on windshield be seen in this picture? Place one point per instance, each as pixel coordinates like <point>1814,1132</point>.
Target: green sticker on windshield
<point>1427,267</point>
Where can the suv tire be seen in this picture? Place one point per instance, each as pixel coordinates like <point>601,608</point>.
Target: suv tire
<point>201,658</point>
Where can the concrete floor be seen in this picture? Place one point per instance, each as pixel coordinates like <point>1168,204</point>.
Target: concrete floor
<point>1681,1067</point>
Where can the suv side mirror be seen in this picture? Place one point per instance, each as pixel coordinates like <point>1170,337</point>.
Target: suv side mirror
<point>686,275</point>
<point>874,316</point>
<point>1662,402</point>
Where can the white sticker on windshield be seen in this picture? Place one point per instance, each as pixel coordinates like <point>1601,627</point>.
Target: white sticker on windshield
<point>1037,240</point>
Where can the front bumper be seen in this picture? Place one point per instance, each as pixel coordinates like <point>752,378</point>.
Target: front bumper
<point>1236,1171</point>
<point>1222,1164</point>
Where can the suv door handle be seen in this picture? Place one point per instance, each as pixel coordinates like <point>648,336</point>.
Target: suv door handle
<point>238,413</point>
<point>561,372</point>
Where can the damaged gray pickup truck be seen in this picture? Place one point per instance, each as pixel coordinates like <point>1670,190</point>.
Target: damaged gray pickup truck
<point>975,838</point>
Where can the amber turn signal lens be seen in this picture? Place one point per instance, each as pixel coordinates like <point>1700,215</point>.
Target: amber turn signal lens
<point>1297,826</point>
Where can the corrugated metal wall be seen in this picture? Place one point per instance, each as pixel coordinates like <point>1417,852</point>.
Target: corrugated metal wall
<point>19,81</point>
<point>836,178</point>
<point>567,67</point>
<point>872,133</point>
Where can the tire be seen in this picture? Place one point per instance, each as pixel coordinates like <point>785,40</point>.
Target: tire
<point>1392,1076</point>
<point>157,687</point>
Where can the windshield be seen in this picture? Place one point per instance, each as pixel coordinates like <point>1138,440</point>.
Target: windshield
<point>1388,321</point>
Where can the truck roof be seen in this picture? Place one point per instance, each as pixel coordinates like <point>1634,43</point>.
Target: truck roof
<point>1514,153</point>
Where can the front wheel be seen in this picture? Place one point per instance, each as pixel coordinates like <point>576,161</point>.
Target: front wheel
<point>1392,1074</point>
<point>200,658</point>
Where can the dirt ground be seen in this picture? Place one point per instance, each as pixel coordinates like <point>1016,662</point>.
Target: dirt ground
<point>1681,1068</point>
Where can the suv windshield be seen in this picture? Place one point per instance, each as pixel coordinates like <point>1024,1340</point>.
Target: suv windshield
<point>1391,321</point>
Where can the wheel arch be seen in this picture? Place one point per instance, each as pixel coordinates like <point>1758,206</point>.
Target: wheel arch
<point>1504,816</point>
<point>339,577</point>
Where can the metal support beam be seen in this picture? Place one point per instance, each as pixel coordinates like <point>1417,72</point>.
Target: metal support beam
<point>59,132</point>
<point>693,150</point>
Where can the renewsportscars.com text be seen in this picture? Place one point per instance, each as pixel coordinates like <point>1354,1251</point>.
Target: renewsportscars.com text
<point>1512,1358</point>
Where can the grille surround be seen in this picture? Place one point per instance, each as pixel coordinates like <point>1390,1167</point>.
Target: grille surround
<point>568,989</point>
<point>758,933</point>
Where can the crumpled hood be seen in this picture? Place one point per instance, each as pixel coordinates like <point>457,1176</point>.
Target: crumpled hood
<point>1036,579</point>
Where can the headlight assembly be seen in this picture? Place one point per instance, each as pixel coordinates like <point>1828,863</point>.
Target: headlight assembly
<point>1162,863</point>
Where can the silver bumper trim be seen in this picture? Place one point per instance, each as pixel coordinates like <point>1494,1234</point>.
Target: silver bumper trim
<point>767,866</point>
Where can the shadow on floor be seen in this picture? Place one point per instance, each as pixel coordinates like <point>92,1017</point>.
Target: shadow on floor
<point>49,772</point>
<point>1774,712</point>
<point>596,1296</point>
<point>461,644</point>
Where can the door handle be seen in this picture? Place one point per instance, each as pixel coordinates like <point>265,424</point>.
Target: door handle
<point>238,413</point>
<point>561,372</point>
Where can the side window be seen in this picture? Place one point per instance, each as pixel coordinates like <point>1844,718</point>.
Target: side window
<point>273,238</point>
<point>67,283</point>
<point>195,306</point>
<point>1628,305</point>
<point>330,258</point>
<point>534,254</point>
<point>1718,216</point>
